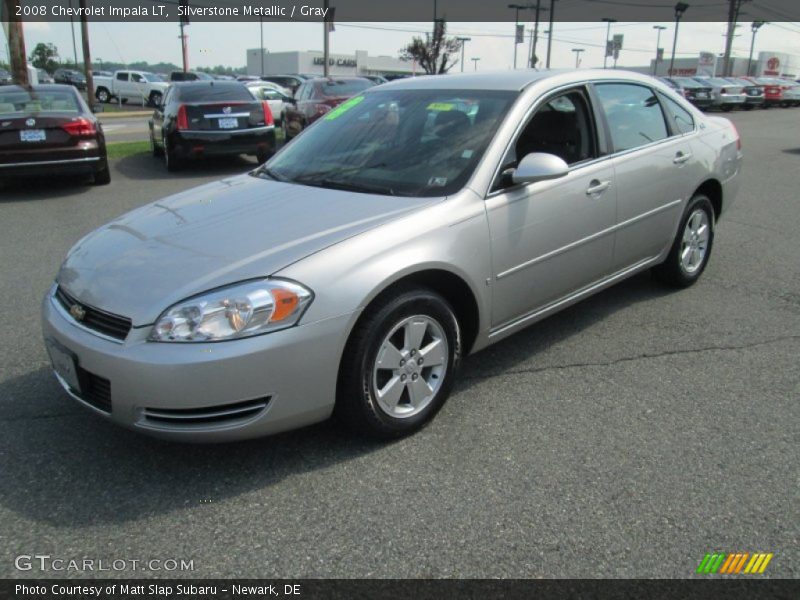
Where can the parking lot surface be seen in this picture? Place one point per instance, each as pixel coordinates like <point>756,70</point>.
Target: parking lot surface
<point>624,437</point>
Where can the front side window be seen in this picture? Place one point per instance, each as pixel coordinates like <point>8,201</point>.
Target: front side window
<point>136,78</point>
<point>634,115</point>
<point>395,142</point>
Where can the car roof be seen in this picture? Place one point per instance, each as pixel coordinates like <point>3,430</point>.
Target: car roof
<point>513,80</point>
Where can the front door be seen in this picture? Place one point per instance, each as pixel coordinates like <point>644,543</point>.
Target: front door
<point>552,238</point>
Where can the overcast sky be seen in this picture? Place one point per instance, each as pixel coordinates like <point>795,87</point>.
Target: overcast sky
<point>226,43</point>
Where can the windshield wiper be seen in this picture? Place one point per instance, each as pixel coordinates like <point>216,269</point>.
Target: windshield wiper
<point>349,186</point>
<point>270,173</point>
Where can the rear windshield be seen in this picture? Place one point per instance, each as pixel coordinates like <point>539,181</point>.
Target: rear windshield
<point>344,87</point>
<point>687,83</point>
<point>721,82</point>
<point>216,92</point>
<point>14,101</point>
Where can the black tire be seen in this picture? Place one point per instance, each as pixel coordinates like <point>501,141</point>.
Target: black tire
<point>264,156</point>
<point>748,107</point>
<point>356,401</point>
<point>286,136</point>
<point>155,98</point>
<point>171,161</point>
<point>672,271</point>
<point>103,176</point>
<point>157,150</point>
<point>727,107</point>
<point>103,95</point>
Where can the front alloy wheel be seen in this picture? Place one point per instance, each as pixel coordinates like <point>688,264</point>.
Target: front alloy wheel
<point>399,364</point>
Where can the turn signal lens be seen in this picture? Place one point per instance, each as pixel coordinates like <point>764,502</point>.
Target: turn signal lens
<point>80,127</point>
<point>268,119</point>
<point>285,303</point>
<point>182,121</point>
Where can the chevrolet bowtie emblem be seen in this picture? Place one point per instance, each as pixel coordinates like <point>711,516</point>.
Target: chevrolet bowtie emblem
<point>77,312</point>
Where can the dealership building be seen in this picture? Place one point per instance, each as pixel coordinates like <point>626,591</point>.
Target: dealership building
<point>312,63</point>
<point>766,64</point>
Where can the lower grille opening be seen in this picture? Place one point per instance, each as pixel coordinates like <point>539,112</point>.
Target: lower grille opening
<point>95,390</point>
<point>211,415</point>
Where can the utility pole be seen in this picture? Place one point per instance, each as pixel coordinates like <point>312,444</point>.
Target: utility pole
<point>756,25</point>
<point>608,38</point>
<point>550,32</point>
<point>261,24</point>
<point>577,52</point>
<point>517,8</point>
<point>660,28</point>
<point>184,21</point>
<point>74,45</point>
<point>325,43</point>
<point>463,41</point>
<point>87,56</point>
<point>533,59</point>
<point>475,62</point>
<point>16,44</point>
<point>733,16</point>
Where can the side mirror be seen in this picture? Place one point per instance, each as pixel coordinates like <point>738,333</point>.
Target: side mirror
<point>539,166</point>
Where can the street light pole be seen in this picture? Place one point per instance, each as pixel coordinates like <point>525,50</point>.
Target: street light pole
<point>577,52</point>
<point>532,62</point>
<point>680,8</point>
<point>463,41</point>
<point>261,26</point>
<point>517,8</point>
<point>475,60</point>
<point>756,25</point>
<point>660,28</point>
<point>608,37</point>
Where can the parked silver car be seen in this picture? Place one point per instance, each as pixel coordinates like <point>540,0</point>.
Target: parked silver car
<point>727,95</point>
<point>412,225</point>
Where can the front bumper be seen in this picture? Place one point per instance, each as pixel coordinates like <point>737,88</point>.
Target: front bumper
<point>203,392</point>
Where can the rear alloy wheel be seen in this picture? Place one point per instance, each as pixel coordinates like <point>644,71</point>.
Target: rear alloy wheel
<point>157,150</point>
<point>155,99</point>
<point>103,95</point>
<point>399,365</point>
<point>691,249</point>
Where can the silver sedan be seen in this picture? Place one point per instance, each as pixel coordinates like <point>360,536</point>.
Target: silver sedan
<point>412,225</point>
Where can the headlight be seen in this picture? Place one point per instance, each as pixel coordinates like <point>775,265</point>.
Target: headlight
<point>237,311</point>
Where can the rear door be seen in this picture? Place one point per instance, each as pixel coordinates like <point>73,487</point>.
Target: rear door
<point>121,85</point>
<point>653,167</point>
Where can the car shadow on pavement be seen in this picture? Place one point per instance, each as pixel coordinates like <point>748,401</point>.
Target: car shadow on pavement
<point>145,166</point>
<point>68,468</point>
<point>43,187</point>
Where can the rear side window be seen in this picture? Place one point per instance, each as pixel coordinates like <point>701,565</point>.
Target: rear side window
<point>122,77</point>
<point>681,118</point>
<point>214,93</point>
<point>634,115</point>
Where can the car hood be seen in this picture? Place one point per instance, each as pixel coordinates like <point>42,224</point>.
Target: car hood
<point>235,229</point>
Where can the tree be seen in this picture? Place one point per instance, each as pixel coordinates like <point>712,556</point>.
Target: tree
<point>437,53</point>
<point>45,56</point>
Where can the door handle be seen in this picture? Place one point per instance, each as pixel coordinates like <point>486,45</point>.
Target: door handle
<point>681,158</point>
<point>596,187</point>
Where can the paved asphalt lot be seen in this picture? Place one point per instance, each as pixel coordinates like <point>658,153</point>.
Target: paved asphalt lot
<point>624,437</point>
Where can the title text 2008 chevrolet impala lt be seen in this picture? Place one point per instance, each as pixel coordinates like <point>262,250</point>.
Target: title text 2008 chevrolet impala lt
<point>417,222</point>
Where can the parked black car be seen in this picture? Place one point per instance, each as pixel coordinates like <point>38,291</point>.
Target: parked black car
<point>210,118</point>
<point>70,77</point>
<point>695,92</point>
<point>189,76</point>
<point>49,129</point>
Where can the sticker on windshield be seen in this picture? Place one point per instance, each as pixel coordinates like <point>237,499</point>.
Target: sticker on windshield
<point>441,106</point>
<point>437,182</point>
<point>343,108</point>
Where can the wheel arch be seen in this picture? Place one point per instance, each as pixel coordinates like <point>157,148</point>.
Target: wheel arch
<point>713,189</point>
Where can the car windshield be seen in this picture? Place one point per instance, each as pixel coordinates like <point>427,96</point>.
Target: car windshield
<point>395,142</point>
<point>214,92</point>
<point>24,101</point>
<point>344,87</point>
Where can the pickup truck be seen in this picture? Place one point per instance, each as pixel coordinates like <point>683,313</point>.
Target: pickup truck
<point>136,86</point>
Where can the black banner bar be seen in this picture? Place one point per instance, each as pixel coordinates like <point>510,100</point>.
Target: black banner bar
<point>735,588</point>
<point>398,10</point>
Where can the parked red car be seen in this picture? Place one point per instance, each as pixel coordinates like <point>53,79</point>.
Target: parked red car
<point>773,91</point>
<point>316,97</point>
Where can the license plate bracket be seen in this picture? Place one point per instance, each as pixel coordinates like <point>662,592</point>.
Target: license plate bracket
<point>32,135</point>
<point>228,123</point>
<point>65,364</point>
